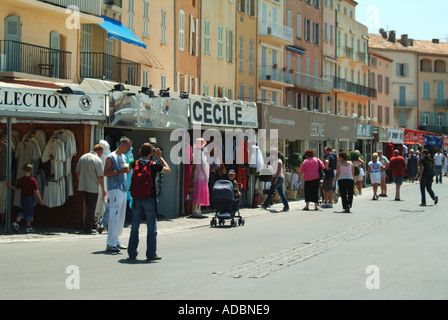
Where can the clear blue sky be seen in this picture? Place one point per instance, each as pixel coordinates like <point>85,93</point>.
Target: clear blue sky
<point>420,19</point>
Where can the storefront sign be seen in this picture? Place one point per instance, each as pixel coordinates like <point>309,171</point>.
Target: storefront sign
<point>294,124</point>
<point>364,131</point>
<point>414,137</point>
<point>395,135</point>
<point>445,141</point>
<point>433,141</point>
<point>48,103</point>
<point>143,111</point>
<point>223,114</point>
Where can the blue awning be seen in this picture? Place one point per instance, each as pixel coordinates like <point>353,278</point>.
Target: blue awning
<point>295,49</point>
<point>115,29</point>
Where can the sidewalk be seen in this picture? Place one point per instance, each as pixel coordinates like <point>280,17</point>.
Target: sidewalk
<point>163,226</point>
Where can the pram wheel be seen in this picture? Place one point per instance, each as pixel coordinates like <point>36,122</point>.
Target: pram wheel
<point>241,222</point>
<point>213,223</point>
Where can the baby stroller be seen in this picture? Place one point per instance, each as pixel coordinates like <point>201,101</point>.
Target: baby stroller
<point>225,204</point>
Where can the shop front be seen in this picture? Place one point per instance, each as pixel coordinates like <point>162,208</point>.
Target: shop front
<point>309,130</point>
<point>364,143</point>
<point>50,128</point>
<point>230,128</point>
<point>147,116</point>
<point>306,130</point>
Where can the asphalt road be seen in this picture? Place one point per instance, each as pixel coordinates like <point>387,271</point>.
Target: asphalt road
<point>384,249</point>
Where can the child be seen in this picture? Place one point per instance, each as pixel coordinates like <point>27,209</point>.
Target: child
<point>236,188</point>
<point>28,187</point>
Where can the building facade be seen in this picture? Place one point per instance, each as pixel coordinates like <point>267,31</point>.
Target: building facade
<point>273,35</point>
<point>419,76</point>
<point>218,48</point>
<point>246,50</point>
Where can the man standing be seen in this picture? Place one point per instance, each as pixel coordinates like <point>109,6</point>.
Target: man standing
<point>330,162</point>
<point>144,200</point>
<point>385,162</point>
<point>398,166</point>
<point>89,171</point>
<point>439,161</point>
<point>116,170</point>
<point>426,177</point>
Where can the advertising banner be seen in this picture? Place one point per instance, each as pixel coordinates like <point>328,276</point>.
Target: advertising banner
<point>414,137</point>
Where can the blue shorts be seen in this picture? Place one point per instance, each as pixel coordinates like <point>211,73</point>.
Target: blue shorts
<point>27,210</point>
<point>398,180</point>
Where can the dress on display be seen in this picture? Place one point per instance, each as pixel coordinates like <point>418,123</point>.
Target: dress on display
<point>201,191</point>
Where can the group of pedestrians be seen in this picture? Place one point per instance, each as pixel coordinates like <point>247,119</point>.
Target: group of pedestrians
<point>337,172</point>
<point>91,175</point>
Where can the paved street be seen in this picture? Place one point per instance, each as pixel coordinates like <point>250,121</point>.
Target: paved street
<point>383,250</point>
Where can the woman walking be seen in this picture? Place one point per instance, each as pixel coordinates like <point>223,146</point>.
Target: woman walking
<point>310,171</point>
<point>344,175</point>
<point>374,171</point>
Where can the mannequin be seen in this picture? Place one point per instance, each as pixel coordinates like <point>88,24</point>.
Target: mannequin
<point>201,192</point>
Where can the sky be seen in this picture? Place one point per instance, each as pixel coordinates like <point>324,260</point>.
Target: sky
<point>420,19</point>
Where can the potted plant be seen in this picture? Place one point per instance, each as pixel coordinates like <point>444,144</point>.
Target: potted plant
<point>285,68</point>
<point>275,66</point>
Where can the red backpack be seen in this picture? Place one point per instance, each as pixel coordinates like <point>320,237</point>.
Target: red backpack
<point>141,180</point>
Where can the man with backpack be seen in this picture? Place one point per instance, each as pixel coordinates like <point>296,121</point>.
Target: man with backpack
<point>144,200</point>
<point>330,161</point>
<point>426,178</point>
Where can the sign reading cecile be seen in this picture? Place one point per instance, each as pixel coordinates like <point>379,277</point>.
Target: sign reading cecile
<point>230,114</point>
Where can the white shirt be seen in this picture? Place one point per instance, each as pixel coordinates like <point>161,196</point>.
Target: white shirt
<point>438,159</point>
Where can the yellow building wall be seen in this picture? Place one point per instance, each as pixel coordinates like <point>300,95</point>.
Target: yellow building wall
<point>246,27</point>
<point>218,71</point>
<point>157,58</point>
<point>37,24</point>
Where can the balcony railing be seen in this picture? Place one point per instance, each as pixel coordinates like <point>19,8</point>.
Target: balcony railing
<point>434,129</point>
<point>272,73</point>
<point>342,84</point>
<point>441,103</point>
<point>311,82</point>
<point>118,3</point>
<point>277,30</point>
<point>347,52</point>
<point>87,6</point>
<point>104,66</point>
<point>29,58</point>
<point>405,103</point>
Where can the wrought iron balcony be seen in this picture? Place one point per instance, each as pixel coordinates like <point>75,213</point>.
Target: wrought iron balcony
<point>280,34</point>
<point>104,66</point>
<point>406,103</point>
<point>441,103</point>
<point>29,58</point>
<point>434,129</point>
<point>274,76</point>
<point>350,87</point>
<point>92,7</point>
<point>311,82</point>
